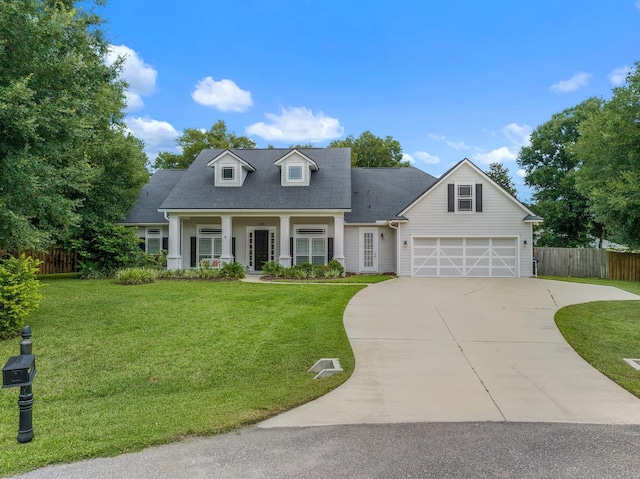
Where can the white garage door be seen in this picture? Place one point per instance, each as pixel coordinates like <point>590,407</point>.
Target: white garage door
<point>459,257</point>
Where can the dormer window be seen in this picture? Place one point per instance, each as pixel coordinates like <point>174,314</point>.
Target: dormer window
<point>295,172</point>
<point>296,168</point>
<point>228,173</point>
<point>465,197</point>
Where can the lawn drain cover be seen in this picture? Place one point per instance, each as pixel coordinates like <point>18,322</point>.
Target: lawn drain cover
<point>634,363</point>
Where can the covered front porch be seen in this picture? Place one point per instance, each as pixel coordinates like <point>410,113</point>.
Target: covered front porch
<point>253,239</point>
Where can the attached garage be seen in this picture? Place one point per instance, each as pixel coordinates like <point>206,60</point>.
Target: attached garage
<point>494,257</point>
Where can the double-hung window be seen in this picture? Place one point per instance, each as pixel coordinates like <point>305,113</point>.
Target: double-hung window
<point>295,172</point>
<point>310,245</point>
<point>465,197</point>
<point>209,244</point>
<point>153,243</point>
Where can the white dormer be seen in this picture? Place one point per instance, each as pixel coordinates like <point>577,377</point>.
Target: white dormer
<point>229,169</point>
<point>296,168</point>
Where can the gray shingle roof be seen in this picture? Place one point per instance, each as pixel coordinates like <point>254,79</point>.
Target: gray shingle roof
<point>381,193</point>
<point>145,209</point>
<point>330,186</point>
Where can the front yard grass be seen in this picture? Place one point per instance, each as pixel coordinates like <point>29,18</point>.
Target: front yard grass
<point>605,332</point>
<point>121,368</point>
<point>354,279</point>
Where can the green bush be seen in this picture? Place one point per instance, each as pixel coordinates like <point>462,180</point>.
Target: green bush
<point>136,276</point>
<point>19,293</point>
<point>335,264</point>
<point>273,268</point>
<point>232,270</point>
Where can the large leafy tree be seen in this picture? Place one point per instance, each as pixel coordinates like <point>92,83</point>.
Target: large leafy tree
<point>193,141</point>
<point>65,155</point>
<point>369,150</point>
<point>551,167</point>
<point>500,174</point>
<point>609,147</point>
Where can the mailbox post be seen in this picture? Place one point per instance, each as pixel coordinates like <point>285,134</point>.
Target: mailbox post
<point>19,371</point>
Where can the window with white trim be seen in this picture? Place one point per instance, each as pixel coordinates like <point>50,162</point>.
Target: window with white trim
<point>295,172</point>
<point>310,245</point>
<point>228,173</point>
<point>153,240</point>
<point>464,198</point>
<point>209,245</point>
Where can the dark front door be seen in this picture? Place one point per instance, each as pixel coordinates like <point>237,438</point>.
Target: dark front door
<point>261,248</point>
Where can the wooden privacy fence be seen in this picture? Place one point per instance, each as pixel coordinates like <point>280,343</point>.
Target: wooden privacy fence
<point>588,263</point>
<point>55,260</point>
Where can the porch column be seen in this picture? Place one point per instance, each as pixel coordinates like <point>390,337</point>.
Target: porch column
<point>226,256</point>
<point>174,259</point>
<point>338,238</point>
<point>285,257</point>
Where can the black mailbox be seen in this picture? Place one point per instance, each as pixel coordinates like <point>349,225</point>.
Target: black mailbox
<point>19,371</point>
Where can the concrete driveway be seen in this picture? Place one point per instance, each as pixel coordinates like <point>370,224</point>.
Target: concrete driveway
<point>440,350</point>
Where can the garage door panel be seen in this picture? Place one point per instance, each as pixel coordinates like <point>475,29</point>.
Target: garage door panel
<point>460,257</point>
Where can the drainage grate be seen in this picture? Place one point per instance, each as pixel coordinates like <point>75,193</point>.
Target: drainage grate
<point>634,363</point>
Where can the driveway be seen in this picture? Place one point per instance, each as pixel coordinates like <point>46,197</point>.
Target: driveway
<point>443,350</point>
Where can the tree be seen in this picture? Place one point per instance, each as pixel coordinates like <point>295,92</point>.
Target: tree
<point>193,141</point>
<point>369,150</point>
<point>62,140</point>
<point>609,147</point>
<point>551,168</point>
<point>498,173</point>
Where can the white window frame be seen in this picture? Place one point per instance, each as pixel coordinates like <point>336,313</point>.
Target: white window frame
<point>231,168</point>
<point>153,233</point>
<point>292,179</point>
<point>471,198</point>
<point>304,232</point>
<point>216,246</point>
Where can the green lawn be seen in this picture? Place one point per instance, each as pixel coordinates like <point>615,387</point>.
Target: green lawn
<point>124,367</point>
<point>605,332</point>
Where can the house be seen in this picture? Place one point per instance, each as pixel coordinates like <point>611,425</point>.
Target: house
<point>309,205</point>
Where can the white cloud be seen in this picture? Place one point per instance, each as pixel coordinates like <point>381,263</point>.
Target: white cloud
<point>424,157</point>
<point>521,173</point>
<point>577,81</point>
<point>223,95</point>
<point>498,155</point>
<point>297,124</point>
<point>618,76</point>
<point>157,135</point>
<point>140,77</point>
<point>435,136</point>
<point>638,4</point>
<point>409,158</point>
<point>518,135</point>
<point>460,145</point>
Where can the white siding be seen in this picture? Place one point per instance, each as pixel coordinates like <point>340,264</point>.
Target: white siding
<point>298,160</point>
<point>386,249</point>
<point>500,217</point>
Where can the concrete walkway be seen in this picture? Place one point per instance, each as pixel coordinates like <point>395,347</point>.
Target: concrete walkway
<point>438,350</point>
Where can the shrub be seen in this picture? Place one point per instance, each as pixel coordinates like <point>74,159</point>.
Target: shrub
<point>136,276</point>
<point>306,267</point>
<point>335,264</point>
<point>273,268</point>
<point>333,273</point>
<point>232,269</point>
<point>319,271</point>
<point>19,293</point>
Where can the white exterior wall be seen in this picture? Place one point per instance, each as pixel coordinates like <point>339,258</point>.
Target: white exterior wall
<point>298,160</point>
<point>500,216</point>
<point>386,248</point>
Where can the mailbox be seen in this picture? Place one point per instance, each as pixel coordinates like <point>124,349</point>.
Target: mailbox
<point>19,371</point>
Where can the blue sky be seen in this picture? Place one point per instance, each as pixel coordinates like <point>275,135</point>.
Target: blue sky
<point>449,79</point>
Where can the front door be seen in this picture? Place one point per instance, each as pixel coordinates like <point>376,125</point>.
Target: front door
<point>261,249</point>
<point>368,250</point>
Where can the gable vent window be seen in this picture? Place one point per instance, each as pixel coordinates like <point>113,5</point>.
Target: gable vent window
<point>228,173</point>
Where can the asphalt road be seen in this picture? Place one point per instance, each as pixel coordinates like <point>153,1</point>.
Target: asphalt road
<point>417,450</point>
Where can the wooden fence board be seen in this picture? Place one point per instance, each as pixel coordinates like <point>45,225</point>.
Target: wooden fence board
<point>55,260</point>
<point>588,263</point>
